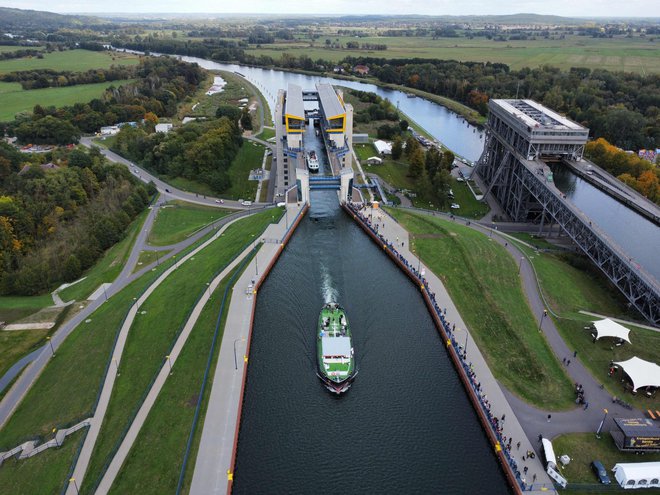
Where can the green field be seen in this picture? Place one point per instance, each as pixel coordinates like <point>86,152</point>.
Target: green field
<point>482,280</point>
<point>7,48</point>
<point>69,60</point>
<point>583,448</point>
<point>14,99</point>
<point>628,54</point>
<point>176,221</point>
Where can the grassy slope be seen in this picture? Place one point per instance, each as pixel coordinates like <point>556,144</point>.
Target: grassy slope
<point>176,222</point>
<point>65,393</point>
<point>108,267</point>
<point>14,308</point>
<point>13,100</point>
<point>166,311</point>
<point>44,473</point>
<point>174,410</point>
<point>483,283</point>
<point>583,448</point>
<point>569,290</point>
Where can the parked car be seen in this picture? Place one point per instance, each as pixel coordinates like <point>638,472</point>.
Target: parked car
<point>455,206</point>
<point>246,203</point>
<point>219,201</point>
<point>600,471</point>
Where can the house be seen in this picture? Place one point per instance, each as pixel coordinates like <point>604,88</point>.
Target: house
<point>383,147</point>
<point>163,128</point>
<point>362,70</point>
<point>109,130</point>
<point>374,160</point>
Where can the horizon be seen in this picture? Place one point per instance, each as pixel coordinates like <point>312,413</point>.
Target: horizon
<point>633,9</point>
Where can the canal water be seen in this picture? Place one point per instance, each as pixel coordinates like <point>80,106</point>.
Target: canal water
<point>405,426</point>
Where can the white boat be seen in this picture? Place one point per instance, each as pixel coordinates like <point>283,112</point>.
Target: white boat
<point>312,161</point>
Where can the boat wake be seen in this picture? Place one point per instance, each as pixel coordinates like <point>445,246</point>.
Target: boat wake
<point>327,289</point>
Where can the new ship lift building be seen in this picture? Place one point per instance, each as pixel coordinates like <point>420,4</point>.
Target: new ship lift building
<point>334,121</point>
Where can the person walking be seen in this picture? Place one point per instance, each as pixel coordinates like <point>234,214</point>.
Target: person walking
<point>574,354</point>
<point>549,417</point>
<point>518,446</point>
<point>568,362</point>
<point>586,405</point>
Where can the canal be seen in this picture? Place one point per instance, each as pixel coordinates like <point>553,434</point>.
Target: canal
<point>405,426</point>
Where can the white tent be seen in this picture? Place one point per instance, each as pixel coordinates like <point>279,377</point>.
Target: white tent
<point>383,147</point>
<point>638,474</point>
<point>642,373</point>
<point>609,328</point>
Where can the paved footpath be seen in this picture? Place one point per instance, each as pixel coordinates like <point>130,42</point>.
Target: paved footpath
<point>500,406</point>
<point>216,448</point>
<point>106,392</point>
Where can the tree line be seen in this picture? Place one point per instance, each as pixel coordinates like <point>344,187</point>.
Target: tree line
<point>639,174</point>
<point>50,78</point>
<point>55,222</point>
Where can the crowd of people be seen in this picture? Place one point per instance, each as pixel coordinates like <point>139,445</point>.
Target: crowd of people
<point>496,423</point>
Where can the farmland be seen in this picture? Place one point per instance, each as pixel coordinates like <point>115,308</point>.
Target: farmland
<point>14,99</point>
<point>637,54</point>
<point>71,60</point>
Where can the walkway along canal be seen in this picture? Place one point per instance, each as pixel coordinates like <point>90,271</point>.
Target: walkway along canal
<point>405,425</point>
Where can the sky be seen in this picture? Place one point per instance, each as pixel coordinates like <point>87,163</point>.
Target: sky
<point>567,8</point>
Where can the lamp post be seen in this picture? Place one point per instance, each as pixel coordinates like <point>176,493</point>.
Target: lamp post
<point>105,293</point>
<point>52,350</point>
<point>75,485</point>
<point>543,315</point>
<point>117,365</point>
<point>208,288</point>
<point>169,361</point>
<point>520,264</point>
<point>235,360</point>
<point>600,426</point>
<point>157,259</point>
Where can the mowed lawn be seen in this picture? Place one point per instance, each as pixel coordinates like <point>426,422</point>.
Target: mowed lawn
<point>628,54</point>
<point>71,60</point>
<point>178,220</point>
<point>14,99</point>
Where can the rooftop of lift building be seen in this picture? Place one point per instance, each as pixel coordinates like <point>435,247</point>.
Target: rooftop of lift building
<point>332,105</point>
<point>536,116</point>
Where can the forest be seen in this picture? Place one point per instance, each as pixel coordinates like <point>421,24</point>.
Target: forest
<point>201,151</point>
<point>50,78</point>
<point>57,220</point>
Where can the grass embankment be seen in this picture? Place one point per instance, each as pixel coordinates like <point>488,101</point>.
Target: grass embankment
<point>148,257</point>
<point>165,311</point>
<point>154,463</point>
<point>266,133</point>
<point>178,220</point>
<point>108,267</point>
<point>583,448</point>
<point>568,290</point>
<point>395,173</point>
<point>44,473</point>
<point>14,99</point>
<point>482,280</point>
<point>66,390</point>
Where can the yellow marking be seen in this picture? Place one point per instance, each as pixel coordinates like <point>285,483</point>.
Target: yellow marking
<point>498,447</point>
<point>230,475</point>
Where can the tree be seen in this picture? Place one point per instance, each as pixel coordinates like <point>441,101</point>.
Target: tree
<point>78,158</point>
<point>397,148</point>
<point>232,112</point>
<point>403,125</point>
<point>246,120</point>
<point>416,168</point>
<point>411,146</point>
